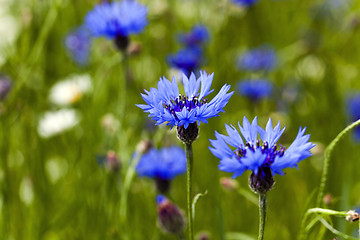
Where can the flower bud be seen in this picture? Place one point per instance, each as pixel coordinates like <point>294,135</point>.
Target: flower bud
<point>113,163</point>
<point>328,199</point>
<point>203,236</point>
<point>5,86</point>
<point>352,216</point>
<point>144,146</point>
<point>171,219</point>
<point>134,49</point>
<point>262,182</point>
<point>188,135</point>
<point>228,184</point>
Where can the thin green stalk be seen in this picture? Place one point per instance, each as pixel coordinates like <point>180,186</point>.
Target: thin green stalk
<point>335,231</point>
<point>321,211</point>
<point>189,158</point>
<point>327,156</point>
<point>262,215</point>
<point>130,173</point>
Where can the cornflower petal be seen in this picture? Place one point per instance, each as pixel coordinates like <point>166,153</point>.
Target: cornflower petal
<point>255,155</point>
<point>165,104</point>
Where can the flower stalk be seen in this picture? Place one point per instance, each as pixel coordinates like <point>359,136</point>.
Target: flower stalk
<point>189,158</point>
<point>262,215</point>
<point>327,156</point>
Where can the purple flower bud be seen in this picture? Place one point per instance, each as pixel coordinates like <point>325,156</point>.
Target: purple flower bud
<point>171,219</point>
<point>5,87</point>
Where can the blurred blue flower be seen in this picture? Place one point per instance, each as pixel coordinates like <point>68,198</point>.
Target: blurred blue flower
<point>244,3</point>
<point>5,86</point>
<point>187,60</point>
<point>117,19</point>
<point>353,105</point>
<point>259,59</point>
<point>254,156</point>
<point>78,44</point>
<point>165,104</point>
<point>198,35</point>
<point>164,164</point>
<point>255,89</point>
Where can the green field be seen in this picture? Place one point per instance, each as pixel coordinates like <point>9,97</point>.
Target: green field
<point>55,185</point>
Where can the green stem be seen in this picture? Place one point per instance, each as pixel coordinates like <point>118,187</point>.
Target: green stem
<point>262,215</point>
<point>130,173</point>
<point>321,211</point>
<point>189,158</point>
<point>327,156</point>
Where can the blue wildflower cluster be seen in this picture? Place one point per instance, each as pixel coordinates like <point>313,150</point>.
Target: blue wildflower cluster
<point>262,58</point>
<point>166,104</point>
<point>187,59</point>
<point>244,3</point>
<point>255,89</point>
<point>258,155</point>
<point>353,105</point>
<point>198,35</point>
<point>164,164</point>
<point>190,58</point>
<point>78,44</point>
<point>117,19</point>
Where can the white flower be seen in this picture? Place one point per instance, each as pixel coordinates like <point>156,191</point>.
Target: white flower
<point>55,122</point>
<point>70,90</point>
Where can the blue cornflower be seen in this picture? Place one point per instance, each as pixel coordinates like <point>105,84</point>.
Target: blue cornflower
<point>259,59</point>
<point>353,105</point>
<point>166,104</point>
<point>5,86</point>
<point>78,44</point>
<point>255,89</point>
<point>116,19</point>
<point>244,3</point>
<point>264,158</point>
<point>164,164</point>
<point>187,60</point>
<point>198,35</point>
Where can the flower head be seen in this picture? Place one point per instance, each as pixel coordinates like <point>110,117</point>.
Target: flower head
<point>117,19</point>
<point>164,164</point>
<point>258,59</point>
<point>171,218</point>
<point>78,44</point>
<point>166,104</point>
<point>255,89</point>
<point>244,3</point>
<point>353,105</point>
<point>263,157</point>
<point>187,60</point>
<point>198,35</point>
<point>55,122</point>
<point>5,86</point>
<point>70,90</point>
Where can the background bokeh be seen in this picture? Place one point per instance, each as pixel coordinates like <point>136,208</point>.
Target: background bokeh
<point>57,187</point>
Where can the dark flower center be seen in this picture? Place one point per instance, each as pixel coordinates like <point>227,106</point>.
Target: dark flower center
<point>182,101</point>
<point>270,153</point>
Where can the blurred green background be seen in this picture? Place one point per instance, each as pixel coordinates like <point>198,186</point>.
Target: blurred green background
<point>54,187</point>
